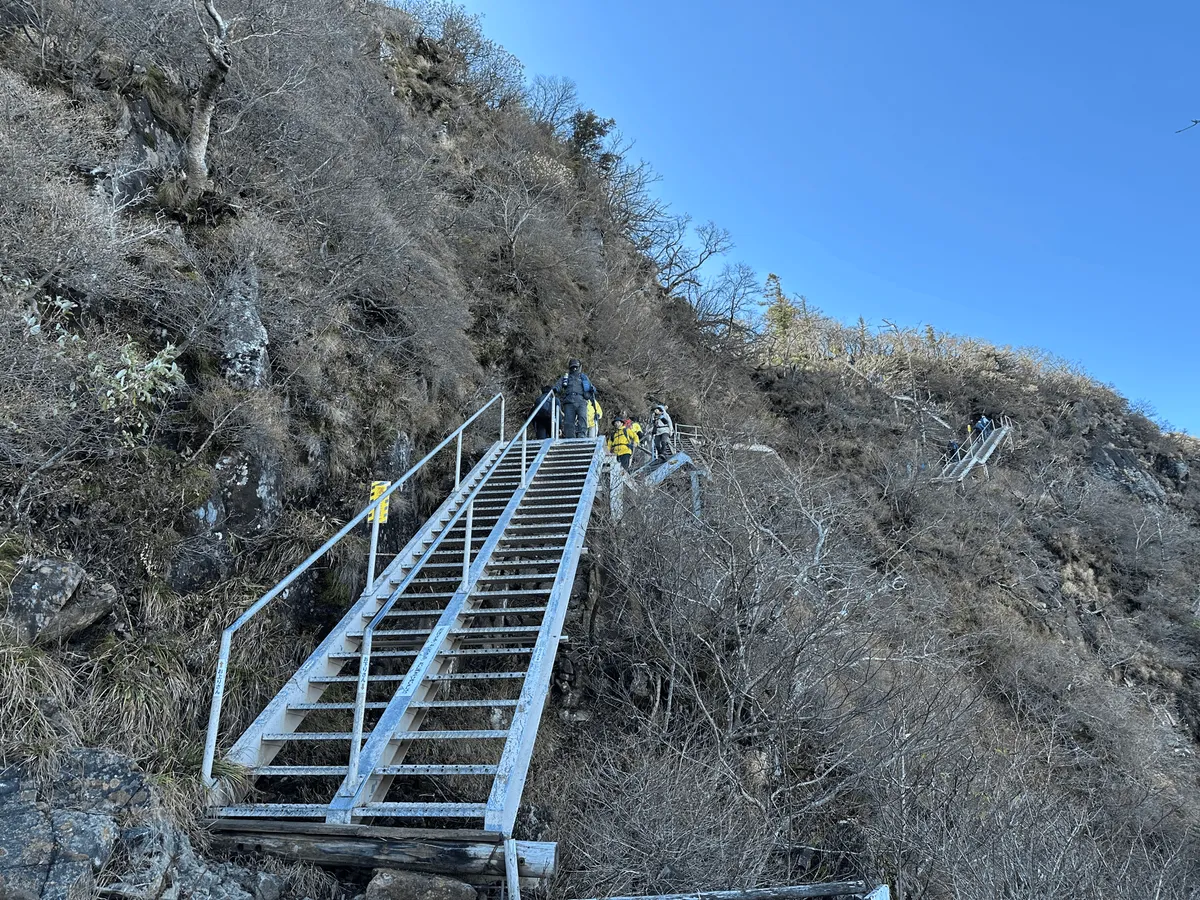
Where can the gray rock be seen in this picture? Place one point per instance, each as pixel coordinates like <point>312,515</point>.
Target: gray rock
<point>39,592</point>
<point>100,781</point>
<point>251,491</point>
<point>83,844</point>
<point>26,840</point>
<point>394,884</point>
<point>150,151</point>
<point>91,603</point>
<point>243,336</point>
<point>1123,466</point>
<point>200,561</point>
<point>399,456</point>
<point>1173,468</point>
<point>54,843</point>
<point>151,850</point>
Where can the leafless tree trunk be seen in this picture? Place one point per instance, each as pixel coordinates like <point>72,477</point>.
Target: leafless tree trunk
<point>205,102</point>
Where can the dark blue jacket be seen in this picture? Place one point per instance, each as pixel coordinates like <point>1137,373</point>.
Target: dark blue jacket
<point>575,387</point>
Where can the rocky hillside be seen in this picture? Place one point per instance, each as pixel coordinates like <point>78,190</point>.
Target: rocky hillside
<point>254,256</point>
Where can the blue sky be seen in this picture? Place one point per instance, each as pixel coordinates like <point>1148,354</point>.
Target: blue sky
<point>1008,171</point>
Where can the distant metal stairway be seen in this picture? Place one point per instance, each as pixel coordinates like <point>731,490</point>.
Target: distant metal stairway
<point>976,453</point>
<point>422,705</point>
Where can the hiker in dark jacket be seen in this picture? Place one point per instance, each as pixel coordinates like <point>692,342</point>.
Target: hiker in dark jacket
<point>575,390</point>
<point>542,421</point>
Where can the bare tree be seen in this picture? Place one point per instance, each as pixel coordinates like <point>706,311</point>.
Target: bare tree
<point>552,100</point>
<point>220,57</point>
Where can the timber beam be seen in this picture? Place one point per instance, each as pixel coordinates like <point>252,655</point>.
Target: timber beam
<point>466,853</point>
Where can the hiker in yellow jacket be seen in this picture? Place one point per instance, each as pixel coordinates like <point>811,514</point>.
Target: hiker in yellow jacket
<point>634,428</point>
<point>594,412</point>
<point>620,444</point>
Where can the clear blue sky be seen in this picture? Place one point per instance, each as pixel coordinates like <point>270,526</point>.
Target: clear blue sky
<point>1004,171</point>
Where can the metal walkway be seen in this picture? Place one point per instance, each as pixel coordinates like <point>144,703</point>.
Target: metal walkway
<point>975,454</point>
<point>422,705</point>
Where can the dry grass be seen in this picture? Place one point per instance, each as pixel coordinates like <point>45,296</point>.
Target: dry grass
<point>43,704</point>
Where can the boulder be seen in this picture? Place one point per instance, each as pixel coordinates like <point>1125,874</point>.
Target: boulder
<point>1174,468</point>
<point>53,599</point>
<point>62,840</point>
<point>394,884</point>
<point>200,561</point>
<point>100,781</point>
<point>83,844</point>
<point>26,839</point>
<point>251,492</point>
<point>244,339</point>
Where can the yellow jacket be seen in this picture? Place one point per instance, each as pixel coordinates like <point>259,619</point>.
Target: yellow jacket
<point>594,412</point>
<point>619,444</point>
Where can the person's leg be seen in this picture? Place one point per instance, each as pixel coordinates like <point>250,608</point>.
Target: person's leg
<point>626,461</point>
<point>571,416</point>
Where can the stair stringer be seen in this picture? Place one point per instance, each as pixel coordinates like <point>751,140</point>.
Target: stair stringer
<point>509,782</point>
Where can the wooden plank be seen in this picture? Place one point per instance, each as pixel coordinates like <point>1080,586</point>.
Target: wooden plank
<point>463,852</point>
<point>784,892</point>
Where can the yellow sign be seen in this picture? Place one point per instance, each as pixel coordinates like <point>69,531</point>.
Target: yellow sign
<point>377,489</point>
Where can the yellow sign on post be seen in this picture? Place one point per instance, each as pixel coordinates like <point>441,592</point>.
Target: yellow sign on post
<point>377,489</point>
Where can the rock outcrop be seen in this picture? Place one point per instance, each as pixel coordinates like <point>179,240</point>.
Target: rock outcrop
<point>54,599</point>
<point>97,830</point>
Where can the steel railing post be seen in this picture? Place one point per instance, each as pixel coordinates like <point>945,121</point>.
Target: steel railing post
<point>360,705</point>
<point>524,438</point>
<point>214,712</point>
<point>467,544</point>
<point>374,545</point>
<point>502,420</point>
<point>553,418</point>
<point>458,462</point>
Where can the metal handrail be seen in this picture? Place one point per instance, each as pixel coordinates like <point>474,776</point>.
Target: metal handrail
<point>214,716</point>
<point>467,506</point>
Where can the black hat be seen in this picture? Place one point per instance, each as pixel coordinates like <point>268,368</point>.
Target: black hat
<point>574,364</point>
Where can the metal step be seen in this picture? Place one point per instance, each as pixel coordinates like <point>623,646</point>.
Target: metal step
<point>283,737</point>
<point>430,613</point>
<point>458,651</point>
<point>438,769</point>
<point>423,810</point>
<point>482,734</point>
<point>475,676</point>
<point>461,704</point>
<point>497,629</point>
<point>274,811</point>
<point>301,770</point>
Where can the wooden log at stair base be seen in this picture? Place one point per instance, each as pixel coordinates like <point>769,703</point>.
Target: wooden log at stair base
<point>785,892</point>
<point>461,852</point>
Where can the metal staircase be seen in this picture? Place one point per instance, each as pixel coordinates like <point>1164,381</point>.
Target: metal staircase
<point>976,453</point>
<point>421,706</point>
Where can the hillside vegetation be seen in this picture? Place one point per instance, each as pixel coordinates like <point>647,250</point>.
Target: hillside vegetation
<point>255,255</point>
